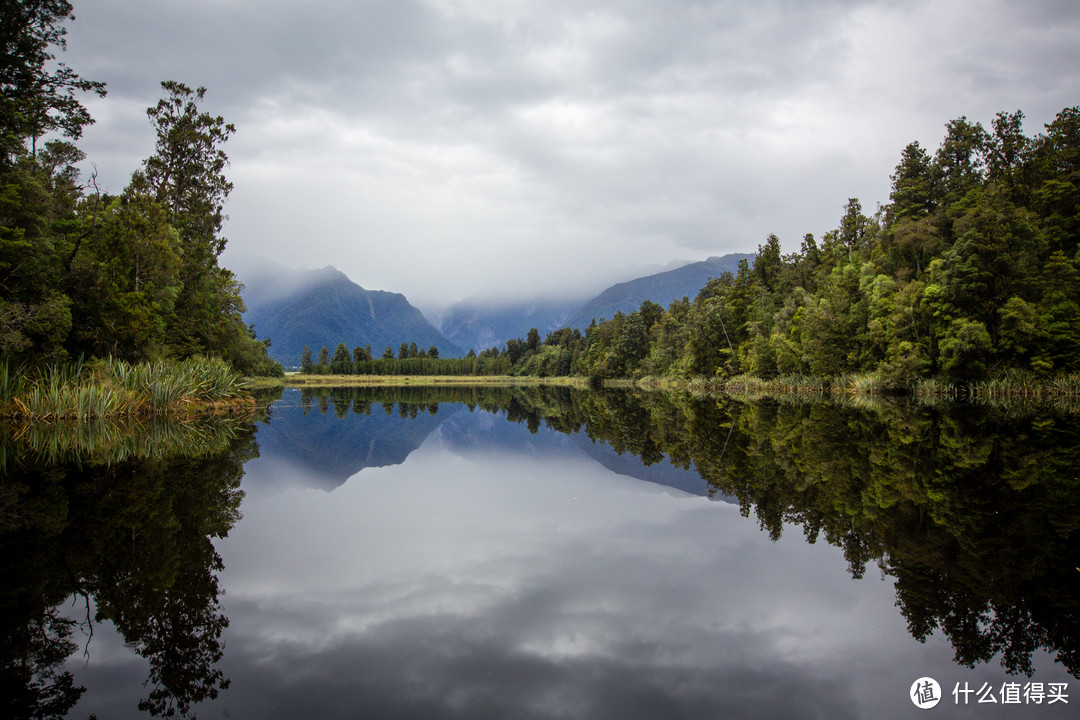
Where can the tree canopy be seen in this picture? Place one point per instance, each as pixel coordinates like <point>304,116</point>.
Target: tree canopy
<point>85,273</point>
<point>970,270</point>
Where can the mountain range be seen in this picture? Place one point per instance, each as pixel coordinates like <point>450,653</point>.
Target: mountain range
<point>661,288</point>
<point>484,324</point>
<point>480,325</point>
<point>320,308</point>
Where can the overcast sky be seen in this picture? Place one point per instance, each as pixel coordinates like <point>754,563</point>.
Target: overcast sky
<point>452,148</point>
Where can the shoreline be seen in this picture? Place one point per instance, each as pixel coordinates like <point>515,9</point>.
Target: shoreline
<point>418,380</point>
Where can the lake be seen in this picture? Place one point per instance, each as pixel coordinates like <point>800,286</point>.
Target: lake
<point>541,552</point>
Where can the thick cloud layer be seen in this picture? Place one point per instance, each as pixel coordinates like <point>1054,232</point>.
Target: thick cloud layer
<point>447,148</point>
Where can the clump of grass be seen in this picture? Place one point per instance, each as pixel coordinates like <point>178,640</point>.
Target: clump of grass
<point>935,388</point>
<point>868,383</point>
<point>1006,390</point>
<point>750,387</point>
<point>116,388</point>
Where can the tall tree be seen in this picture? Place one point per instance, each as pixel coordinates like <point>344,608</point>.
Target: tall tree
<point>959,162</point>
<point>912,185</point>
<point>38,97</point>
<point>341,364</point>
<point>532,340</point>
<point>185,175</point>
<point>307,364</point>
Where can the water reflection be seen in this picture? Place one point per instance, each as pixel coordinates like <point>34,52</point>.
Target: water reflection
<point>128,535</point>
<point>385,425</point>
<point>974,511</point>
<point>543,552</point>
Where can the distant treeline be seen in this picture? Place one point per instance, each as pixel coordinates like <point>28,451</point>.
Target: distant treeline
<point>557,355</point>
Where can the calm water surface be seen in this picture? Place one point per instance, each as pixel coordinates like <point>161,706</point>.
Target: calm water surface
<point>537,554</point>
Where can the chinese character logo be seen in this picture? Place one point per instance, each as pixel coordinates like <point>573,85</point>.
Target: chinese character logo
<point>925,693</point>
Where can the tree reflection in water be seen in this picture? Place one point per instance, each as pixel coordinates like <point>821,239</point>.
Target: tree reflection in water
<point>973,511</point>
<point>135,535</point>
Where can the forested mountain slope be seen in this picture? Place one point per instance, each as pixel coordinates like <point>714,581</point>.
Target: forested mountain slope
<point>661,288</point>
<point>321,308</point>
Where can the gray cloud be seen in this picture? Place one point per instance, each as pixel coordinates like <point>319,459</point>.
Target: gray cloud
<point>445,148</point>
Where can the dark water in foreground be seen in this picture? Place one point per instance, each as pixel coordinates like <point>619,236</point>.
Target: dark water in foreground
<point>545,553</point>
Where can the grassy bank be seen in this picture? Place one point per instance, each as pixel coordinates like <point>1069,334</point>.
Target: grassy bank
<point>389,380</point>
<point>114,388</point>
<point>1009,387</point>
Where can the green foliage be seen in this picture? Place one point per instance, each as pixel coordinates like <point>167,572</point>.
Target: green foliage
<point>307,364</point>
<point>132,276</point>
<point>972,269</point>
<point>341,364</point>
<point>38,95</point>
<point>131,522</point>
<point>322,366</point>
<point>113,388</point>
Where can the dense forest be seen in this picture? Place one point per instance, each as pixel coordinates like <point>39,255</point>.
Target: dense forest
<point>971,270</point>
<point>83,273</point>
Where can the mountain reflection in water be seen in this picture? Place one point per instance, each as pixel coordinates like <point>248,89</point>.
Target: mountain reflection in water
<point>322,452</point>
<point>493,552</point>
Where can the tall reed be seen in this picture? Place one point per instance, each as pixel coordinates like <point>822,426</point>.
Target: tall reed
<point>114,387</point>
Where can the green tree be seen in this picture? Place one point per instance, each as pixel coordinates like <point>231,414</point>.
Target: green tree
<point>185,175</point>
<point>125,281</point>
<point>1056,181</point>
<point>959,161</point>
<point>1007,153</point>
<point>37,198</point>
<point>913,191</point>
<point>307,364</point>
<point>341,364</point>
<point>39,96</point>
<point>767,264</point>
